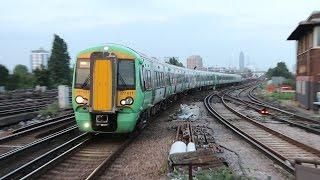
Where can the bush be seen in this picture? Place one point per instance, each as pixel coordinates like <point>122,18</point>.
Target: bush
<point>51,110</point>
<point>282,96</point>
<point>222,174</point>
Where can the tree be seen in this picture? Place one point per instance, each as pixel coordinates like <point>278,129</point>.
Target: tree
<point>22,78</point>
<point>13,82</point>
<point>41,76</point>
<point>58,65</point>
<point>280,70</point>
<point>20,70</point>
<point>4,75</point>
<point>174,61</point>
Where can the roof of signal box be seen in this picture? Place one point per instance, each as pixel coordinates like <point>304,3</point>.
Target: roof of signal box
<point>304,26</point>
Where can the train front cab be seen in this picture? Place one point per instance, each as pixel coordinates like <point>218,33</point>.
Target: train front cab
<point>104,93</point>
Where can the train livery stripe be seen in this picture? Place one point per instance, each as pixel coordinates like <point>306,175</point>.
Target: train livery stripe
<point>102,85</point>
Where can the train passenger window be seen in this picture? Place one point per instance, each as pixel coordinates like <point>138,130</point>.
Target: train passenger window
<point>83,74</point>
<point>163,80</point>
<point>150,79</point>
<point>126,74</point>
<point>157,79</point>
<point>147,79</point>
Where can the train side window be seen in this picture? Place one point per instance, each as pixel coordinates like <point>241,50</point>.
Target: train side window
<point>149,79</point>
<point>143,78</point>
<point>163,80</point>
<point>158,79</point>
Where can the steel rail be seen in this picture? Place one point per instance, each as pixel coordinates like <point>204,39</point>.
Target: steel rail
<point>279,158</point>
<point>108,161</point>
<point>35,127</point>
<point>32,169</point>
<point>11,154</point>
<point>253,98</point>
<point>275,116</point>
<point>96,172</point>
<point>47,121</point>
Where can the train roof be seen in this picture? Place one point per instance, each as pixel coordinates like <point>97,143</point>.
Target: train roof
<point>124,52</point>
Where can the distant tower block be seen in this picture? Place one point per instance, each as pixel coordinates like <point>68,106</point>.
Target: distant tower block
<point>39,58</point>
<point>63,93</point>
<point>194,61</point>
<point>241,61</point>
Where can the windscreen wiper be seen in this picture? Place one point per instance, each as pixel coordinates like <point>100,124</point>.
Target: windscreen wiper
<point>122,80</point>
<point>85,83</point>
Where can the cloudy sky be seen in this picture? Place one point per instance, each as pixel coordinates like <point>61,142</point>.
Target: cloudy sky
<point>216,30</point>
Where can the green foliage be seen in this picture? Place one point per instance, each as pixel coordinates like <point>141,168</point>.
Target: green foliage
<point>174,61</point>
<point>280,70</point>
<point>13,82</point>
<point>58,64</point>
<point>21,78</point>
<point>20,70</point>
<point>51,109</point>
<point>281,96</point>
<point>4,75</point>
<point>222,174</point>
<point>41,76</point>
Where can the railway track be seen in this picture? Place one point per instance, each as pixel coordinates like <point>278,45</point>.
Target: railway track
<point>13,160</point>
<point>21,110</point>
<point>36,97</point>
<point>27,102</point>
<point>23,113</point>
<point>26,135</point>
<point>83,157</point>
<point>279,147</point>
<point>308,124</point>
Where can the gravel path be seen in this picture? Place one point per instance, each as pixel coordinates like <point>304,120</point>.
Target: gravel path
<point>256,164</point>
<point>146,157</point>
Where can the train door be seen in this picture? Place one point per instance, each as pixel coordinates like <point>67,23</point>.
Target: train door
<point>146,85</point>
<point>103,86</point>
<point>159,84</point>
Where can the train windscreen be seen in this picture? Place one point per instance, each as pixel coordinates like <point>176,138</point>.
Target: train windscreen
<point>126,74</point>
<point>83,74</point>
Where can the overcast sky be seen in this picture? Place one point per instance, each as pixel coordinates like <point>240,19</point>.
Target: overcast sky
<point>216,30</point>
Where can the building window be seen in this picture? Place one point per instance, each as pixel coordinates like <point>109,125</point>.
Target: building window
<point>318,36</point>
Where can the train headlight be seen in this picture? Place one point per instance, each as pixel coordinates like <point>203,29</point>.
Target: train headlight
<point>81,100</point>
<point>86,125</point>
<point>126,101</point>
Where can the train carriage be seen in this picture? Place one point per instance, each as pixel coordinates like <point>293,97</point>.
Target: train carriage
<point>115,88</point>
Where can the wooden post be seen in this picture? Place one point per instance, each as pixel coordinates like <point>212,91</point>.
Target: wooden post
<point>190,172</point>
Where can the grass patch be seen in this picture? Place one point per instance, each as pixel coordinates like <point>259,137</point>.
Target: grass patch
<point>281,96</point>
<point>222,174</point>
<point>50,110</point>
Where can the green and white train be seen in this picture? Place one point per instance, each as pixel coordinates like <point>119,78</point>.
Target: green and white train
<point>116,89</point>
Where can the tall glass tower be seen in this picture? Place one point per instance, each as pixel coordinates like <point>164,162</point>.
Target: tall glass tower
<point>241,61</point>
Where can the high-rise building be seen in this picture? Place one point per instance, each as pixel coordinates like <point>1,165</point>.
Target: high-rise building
<point>241,61</point>
<point>39,57</point>
<point>194,62</point>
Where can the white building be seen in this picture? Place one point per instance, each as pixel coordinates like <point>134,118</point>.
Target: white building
<point>39,57</point>
<point>194,61</point>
